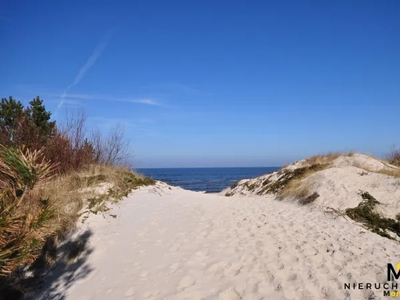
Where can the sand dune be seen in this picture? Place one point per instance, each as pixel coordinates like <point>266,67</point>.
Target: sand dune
<point>168,243</point>
<point>337,185</point>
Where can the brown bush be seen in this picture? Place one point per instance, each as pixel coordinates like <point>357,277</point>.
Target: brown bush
<point>59,150</point>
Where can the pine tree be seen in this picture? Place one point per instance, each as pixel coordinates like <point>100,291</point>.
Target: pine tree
<point>11,112</point>
<point>30,126</point>
<point>41,118</point>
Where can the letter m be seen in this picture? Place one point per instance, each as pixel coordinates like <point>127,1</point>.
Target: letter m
<point>391,270</point>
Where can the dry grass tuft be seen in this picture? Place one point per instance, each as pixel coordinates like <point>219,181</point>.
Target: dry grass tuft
<point>298,189</point>
<point>287,177</point>
<point>94,186</point>
<point>291,183</point>
<point>326,158</point>
<point>294,189</point>
<point>388,170</point>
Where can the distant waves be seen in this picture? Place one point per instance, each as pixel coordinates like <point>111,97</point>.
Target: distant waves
<point>210,180</point>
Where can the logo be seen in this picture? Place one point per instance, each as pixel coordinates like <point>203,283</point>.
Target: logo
<point>393,273</point>
<point>390,288</point>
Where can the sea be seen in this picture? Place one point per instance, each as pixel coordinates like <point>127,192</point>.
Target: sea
<point>211,180</point>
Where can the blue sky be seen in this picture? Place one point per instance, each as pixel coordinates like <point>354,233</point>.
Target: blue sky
<point>213,83</point>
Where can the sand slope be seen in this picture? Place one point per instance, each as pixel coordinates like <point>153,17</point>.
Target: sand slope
<point>168,243</point>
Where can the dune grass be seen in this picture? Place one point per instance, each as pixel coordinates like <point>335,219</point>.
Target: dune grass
<point>291,183</point>
<point>299,190</point>
<point>36,205</point>
<point>326,159</point>
<point>389,170</point>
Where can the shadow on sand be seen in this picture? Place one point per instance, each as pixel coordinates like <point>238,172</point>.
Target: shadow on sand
<point>53,272</point>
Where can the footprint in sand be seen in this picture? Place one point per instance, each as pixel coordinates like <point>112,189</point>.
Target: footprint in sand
<point>217,267</point>
<point>203,253</point>
<point>174,268</point>
<point>289,258</point>
<point>130,292</point>
<point>174,248</point>
<point>233,270</point>
<point>144,274</point>
<point>186,282</point>
<point>230,294</point>
<point>151,295</point>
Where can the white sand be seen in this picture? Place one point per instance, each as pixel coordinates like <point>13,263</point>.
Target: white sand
<point>168,243</point>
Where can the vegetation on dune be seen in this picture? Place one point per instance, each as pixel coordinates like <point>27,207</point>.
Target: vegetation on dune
<point>49,176</point>
<point>282,186</point>
<point>326,159</point>
<point>394,157</point>
<point>288,182</point>
<point>365,213</point>
<point>124,183</point>
<point>24,214</point>
<point>291,182</point>
<point>392,169</point>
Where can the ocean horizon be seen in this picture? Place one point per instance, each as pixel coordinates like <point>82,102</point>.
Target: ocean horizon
<point>205,179</point>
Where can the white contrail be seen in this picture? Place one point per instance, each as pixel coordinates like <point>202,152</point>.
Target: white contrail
<point>91,61</point>
<point>147,101</point>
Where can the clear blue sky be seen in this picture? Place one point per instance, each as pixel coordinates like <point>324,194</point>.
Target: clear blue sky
<point>213,83</point>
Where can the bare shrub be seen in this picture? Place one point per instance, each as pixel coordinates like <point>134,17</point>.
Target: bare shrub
<point>394,156</point>
<point>74,130</point>
<point>111,149</point>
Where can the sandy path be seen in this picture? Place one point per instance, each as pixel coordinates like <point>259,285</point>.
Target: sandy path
<point>177,244</point>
